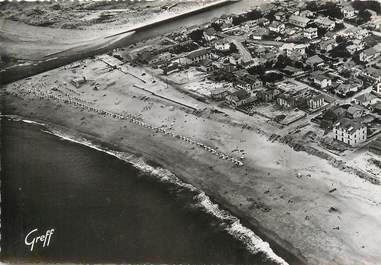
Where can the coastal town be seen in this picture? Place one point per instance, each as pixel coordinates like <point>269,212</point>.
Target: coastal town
<point>312,69</point>
<point>273,111</point>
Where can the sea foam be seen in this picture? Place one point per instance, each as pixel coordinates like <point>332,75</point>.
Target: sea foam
<point>252,242</point>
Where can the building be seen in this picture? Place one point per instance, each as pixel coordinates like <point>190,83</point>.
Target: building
<point>366,100</point>
<point>219,93</point>
<point>290,48</point>
<point>357,45</point>
<point>321,79</point>
<point>247,81</point>
<point>327,45</point>
<point>325,22</point>
<point>222,46</point>
<point>377,108</point>
<point>287,100</point>
<point>315,102</point>
<point>209,34</point>
<point>354,33</point>
<point>268,95</point>
<point>350,132</point>
<point>375,146</point>
<point>263,21</point>
<point>292,71</point>
<point>277,27</point>
<point>196,56</point>
<point>377,87</point>
<point>79,81</point>
<point>162,58</point>
<point>259,33</point>
<point>344,88</point>
<point>239,98</point>
<point>354,112</point>
<point>307,13</point>
<point>348,11</point>
<point>331,116</point>
<point>314,61</point>
<point>369,54</point>
<point>298,21</point>
<point>310,33</point>
<point>372,74</point>
<point>280,16</point>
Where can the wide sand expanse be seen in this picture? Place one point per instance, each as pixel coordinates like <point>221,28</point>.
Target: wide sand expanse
<point>281,192</point>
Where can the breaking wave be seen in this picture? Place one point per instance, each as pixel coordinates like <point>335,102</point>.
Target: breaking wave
<point>233,226</point>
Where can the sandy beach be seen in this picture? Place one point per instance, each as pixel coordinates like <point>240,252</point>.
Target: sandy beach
<point>281,193</point>
<point>310,211</point>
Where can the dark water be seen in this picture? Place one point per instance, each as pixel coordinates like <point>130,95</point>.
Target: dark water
<point>102,209</point>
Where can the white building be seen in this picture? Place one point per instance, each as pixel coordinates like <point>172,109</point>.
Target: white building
<point>326,23</point>
<point>350,132</point>
<point>223,46</point>
<point>310,33</point>
<point>298,21</point>
<point>276,26</point>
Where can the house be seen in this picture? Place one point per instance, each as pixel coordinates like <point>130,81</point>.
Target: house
<point>369,54</point>
<point>263,22</point>
<point>372,74</point>
<point>306,13</point>
<point>228,67</point>
<point>348,11</point>
<point>377,108</point>
<point>375,146</point>
<point>79,81</point>
<point>366,100</point>
<point>356,46</point>
<point>327,45</point>
<point>259,33</point>
<point>331,116</point>
<point>314,61</point>
<point>209,34</point>
<point>354,33</point>
<point>377,87</point>
<point>298,21</point>
<point>292,71</point>
<point>354,112</point>
<point>310,33</point>
<point>315,102</point>
<point>344,88</point>
<point>280,16</point>
<point>222,46</point>
<point>321,79</point>
<point>350,132</point>
<point>239,98</point>
<point>268,95</point>
<point>325,22</point>
<point>287,100</point>
<point>219,93</point>
<point>247,81</point>
<point>277,27</point>
<point>293,49</point>
<point>196,56</point>
<point>162,58</point>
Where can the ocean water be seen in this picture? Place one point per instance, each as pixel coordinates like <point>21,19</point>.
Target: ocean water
<point>102,209</point>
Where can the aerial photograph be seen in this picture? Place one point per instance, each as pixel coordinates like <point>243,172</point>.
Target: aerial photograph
<point>190,132</point>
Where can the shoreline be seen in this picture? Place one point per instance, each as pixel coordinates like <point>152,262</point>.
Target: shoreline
<point>241,193</point>
<point>266,239</point>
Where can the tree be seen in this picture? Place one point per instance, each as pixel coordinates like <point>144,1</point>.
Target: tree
<point>363,5</point>
<point>196,35</point>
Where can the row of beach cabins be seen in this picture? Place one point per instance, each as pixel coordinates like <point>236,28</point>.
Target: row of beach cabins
<point>75,101</point>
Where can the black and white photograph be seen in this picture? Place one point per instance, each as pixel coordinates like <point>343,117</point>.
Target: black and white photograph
<point>205,132</point>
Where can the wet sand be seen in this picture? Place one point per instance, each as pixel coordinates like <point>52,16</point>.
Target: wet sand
<point>283,208</point>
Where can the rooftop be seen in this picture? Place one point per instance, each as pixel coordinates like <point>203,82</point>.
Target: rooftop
<point>349,125</point>
<point>299,19</point>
